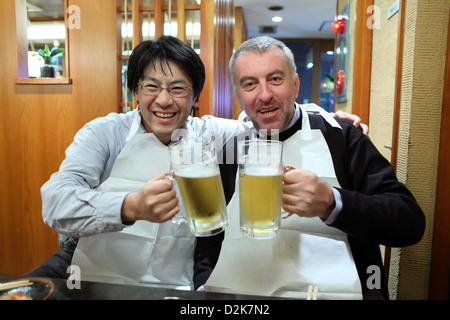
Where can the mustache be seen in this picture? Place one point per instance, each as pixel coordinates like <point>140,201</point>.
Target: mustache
<point>266,105</point>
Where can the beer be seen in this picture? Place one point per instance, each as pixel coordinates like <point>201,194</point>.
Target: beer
<point>202,193</point>
<point>194,163</point>
<point>260,203</point>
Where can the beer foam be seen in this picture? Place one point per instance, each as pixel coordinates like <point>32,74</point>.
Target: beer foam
<point>262,171</point>
<point>197,171</point>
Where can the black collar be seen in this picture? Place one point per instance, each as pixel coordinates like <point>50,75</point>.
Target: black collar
<point>292,130</point>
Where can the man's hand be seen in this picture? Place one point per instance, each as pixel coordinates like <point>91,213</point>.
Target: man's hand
<point>354,119</point>
<point>155,202</point>
<point>306,195</point>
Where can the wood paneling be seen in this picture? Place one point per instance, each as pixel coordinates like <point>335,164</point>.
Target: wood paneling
<point>216,18</point>
<point>440,259</point>
<point>181,20</point>
<point>223,102</point>
<point>38,122</point>
<point>207,56</point>
<point>362,62</point>
<point>240,35</point>
<point>159,19</point>
<point>137,23</point>
<point>398,83</point>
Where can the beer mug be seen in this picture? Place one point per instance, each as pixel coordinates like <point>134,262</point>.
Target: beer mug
<point>196,171</point>
<point>260,181</point>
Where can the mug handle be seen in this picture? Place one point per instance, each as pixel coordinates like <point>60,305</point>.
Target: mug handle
<point>180,217</point>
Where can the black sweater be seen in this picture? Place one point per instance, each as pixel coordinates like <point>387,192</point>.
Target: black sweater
<point>377,208</point>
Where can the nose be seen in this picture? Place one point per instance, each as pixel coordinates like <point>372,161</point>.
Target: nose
<point>265,92</point>
<point>164,98</point>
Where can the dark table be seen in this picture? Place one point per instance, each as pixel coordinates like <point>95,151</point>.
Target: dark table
<point>173,304</point>
<point>108,291</point>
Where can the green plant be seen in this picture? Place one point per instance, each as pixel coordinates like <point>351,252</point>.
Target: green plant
<point>46,54</point>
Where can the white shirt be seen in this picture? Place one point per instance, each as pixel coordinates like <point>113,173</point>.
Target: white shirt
<point>70,206</point>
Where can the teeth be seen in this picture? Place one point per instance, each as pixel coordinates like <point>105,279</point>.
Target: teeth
<point>267,110</point>
<point>165,115</point>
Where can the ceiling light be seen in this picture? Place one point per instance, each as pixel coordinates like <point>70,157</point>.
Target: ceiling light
<point>277,19</point>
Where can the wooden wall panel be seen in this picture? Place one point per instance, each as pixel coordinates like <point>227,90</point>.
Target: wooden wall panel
<point>362,62</point>
<point>240,35</point>
<point>216,46</point>
<point>223,103</point>
<point>38,122</point>
<point>440,259</point>
<point>207,56</point>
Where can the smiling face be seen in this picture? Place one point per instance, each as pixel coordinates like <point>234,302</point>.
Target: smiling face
<point>265,88</point>
<point>162,113</point>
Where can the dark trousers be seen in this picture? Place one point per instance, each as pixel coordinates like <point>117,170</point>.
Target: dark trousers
<point>55,266</point>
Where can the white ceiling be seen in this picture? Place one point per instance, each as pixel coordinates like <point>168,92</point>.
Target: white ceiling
<point>301,18</point>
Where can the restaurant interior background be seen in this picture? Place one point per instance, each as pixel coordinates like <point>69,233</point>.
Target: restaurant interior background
<point>397,70</point>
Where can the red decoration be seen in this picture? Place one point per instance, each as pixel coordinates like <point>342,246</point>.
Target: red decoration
<point>340,81</point>
<point>339,26</point>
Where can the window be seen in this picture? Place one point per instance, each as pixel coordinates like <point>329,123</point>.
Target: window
<point>326,97</point>
<point>178,18</point>
<point>315,67</point>
<point>41,25</point>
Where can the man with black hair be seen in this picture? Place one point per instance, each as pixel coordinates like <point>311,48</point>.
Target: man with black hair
<point>110,201</point>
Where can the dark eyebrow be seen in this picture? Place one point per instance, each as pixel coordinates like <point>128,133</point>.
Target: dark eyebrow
<point>176,81</point>
<point>151,79</point>
<point>179,81</point>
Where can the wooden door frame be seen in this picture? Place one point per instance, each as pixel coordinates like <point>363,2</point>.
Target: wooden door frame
<point>362,62</point>
<point>439,287</point>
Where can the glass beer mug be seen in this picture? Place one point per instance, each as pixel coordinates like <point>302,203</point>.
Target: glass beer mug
<point>196,171</point>
<point>260,183</point>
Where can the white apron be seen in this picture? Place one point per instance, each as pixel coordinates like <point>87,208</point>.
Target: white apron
<point>307,251</point>
<point>145,253</point>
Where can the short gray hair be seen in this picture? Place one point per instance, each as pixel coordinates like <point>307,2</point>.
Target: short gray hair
<point>261,45</point>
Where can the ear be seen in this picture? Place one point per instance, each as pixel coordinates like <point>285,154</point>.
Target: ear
<point>136,95</point>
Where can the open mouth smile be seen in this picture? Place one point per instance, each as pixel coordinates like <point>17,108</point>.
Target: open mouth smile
<point>165,114</point>
<point>267,111</point>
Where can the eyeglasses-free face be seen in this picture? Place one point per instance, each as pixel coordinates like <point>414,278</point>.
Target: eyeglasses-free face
<point>266,90</point>
<point>153,89</point>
